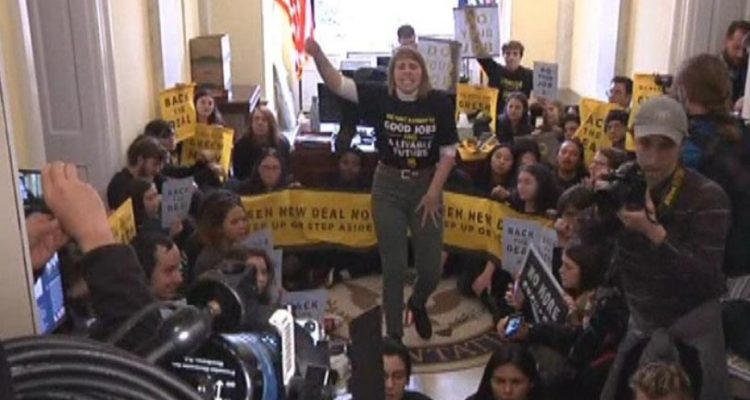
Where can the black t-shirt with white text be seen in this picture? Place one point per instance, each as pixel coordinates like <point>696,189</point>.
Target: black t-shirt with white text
<point>409,134</point>
<point>520,80</point>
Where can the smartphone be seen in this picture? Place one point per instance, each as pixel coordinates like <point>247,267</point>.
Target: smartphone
<point>513,326</point>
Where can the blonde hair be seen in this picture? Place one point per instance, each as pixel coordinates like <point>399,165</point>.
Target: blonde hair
<point>406,52</point>
<point>660,379</point>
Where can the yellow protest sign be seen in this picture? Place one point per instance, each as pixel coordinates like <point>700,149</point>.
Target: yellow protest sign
<point>644,87</point>
<point>306,217</point>
<point>122,222</point>
<point>177,106</point>
<point>473,98</point>
<point>592,131</point>
<point>301,218</point>
<point>214,139</point>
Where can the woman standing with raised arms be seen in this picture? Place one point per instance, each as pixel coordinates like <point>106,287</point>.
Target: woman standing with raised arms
<point>416,141</point>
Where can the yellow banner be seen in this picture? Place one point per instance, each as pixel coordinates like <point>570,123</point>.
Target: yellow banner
<point>472,98</point>
<point>308,217</point>
<point>122,222</point>
<point>644,87</point>
<point>177,106</point>
<point>592,130</point>
<point>213,139</point>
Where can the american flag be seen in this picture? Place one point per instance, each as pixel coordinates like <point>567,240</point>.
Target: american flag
<point>301,15</point>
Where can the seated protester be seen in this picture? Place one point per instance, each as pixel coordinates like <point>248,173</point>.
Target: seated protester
<point>620,91</point>
<point>587,342</point>
<point>581,272</point>
<point>162,262</point>
<point>222,223</point>
<point>261,263</point>
<point>145,159</point>
<point>605,162</point>
<point>206,174</point>
<point>349,174</point>
<point>397,371</point>
<point>616,127</point>
<point>569,206</point>
<point>526,152</point>
<point>268,175</point>
<point>514,122</point>
<point>205,108</point>
<point>718,147</point>
<point>536,192</point>
<point>550,134</point>
<point>497,175</point>
<point>570,124</point>
<point>571,169</point>
<point>510,374</point>
<point>262,133</point>
<point>147,212</point>
<point>348,177</point>
<point>661,381</point>
<point>512,77</point>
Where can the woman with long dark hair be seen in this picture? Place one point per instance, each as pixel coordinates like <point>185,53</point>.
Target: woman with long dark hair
<point>510,374</point>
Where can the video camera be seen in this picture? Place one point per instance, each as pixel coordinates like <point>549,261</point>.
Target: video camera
<point>626,187</point>
<point>227,345</point>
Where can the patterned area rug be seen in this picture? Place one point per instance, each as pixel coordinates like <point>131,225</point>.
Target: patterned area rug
<point>463,335</point>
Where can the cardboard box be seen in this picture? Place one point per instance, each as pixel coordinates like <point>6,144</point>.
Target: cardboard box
<point>210,61</point>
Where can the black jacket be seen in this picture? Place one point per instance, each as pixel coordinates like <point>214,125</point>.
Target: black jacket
<point>118,290</point>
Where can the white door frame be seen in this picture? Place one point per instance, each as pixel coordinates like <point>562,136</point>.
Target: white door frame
<point>18,311</point>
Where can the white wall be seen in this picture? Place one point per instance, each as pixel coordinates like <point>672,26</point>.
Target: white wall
<point>595,38</point>
<point>650,36</point>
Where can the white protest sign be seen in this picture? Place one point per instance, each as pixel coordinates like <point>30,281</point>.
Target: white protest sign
<point>262,239</point>
<point>177,195</point>
<point>442,58</point>
<point>518,234</point>
<point>307,303</point>
<point>545,80</point>
<point>478,30</point>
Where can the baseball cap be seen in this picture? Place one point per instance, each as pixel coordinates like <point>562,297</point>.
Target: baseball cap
<point>661,115</point>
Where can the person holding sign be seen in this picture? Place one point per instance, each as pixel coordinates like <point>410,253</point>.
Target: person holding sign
<point>669,256</point>
<point>147,211</point>
<point>416,140</point>
<point>268,175</point>
<point>206,173</point>
<point>512,77</point>
<point>206,110</point>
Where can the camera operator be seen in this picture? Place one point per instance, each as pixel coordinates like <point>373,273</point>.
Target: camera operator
<point>112,272</point>
<point>668,257</point>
